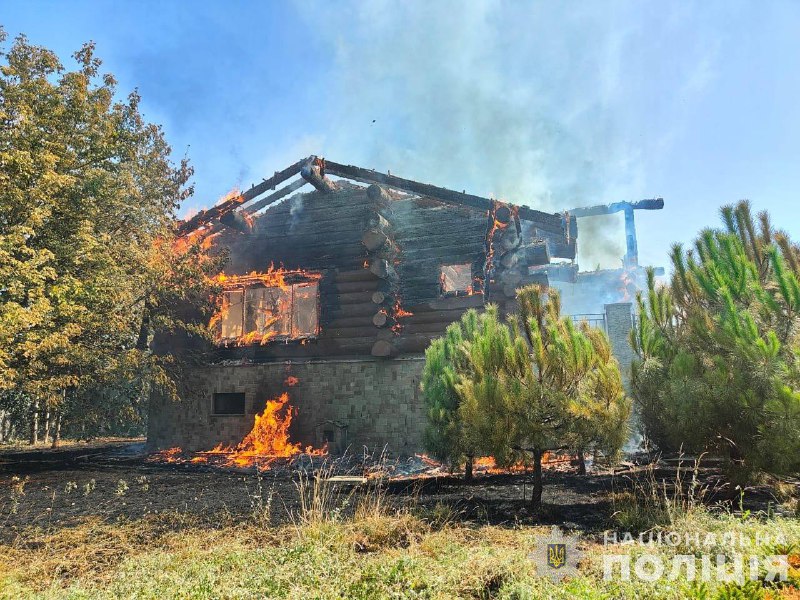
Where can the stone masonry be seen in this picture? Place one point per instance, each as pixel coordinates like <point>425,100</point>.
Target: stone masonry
<point>346,403</point>
<point>619,321</point>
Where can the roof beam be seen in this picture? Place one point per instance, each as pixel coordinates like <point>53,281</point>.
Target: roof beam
<point>215,212</point>
<point>548,220</point>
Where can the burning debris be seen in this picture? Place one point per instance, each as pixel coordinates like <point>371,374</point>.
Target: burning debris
<point>266,443</point>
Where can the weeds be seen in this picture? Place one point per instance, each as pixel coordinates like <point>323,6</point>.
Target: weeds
<point>648,502</point>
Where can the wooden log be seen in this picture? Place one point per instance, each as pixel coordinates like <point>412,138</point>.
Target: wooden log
<point>345,287</point>
<point>535,255</point>
<point>350,276</point>
<point>381,267</point>
<point>473,301</point>
<point>237,221</point>
<point>503,213</point>
<point>206,216</point>
<point>350,310</point>
<point>374,239</point>
<point>383,349</point>
<point>550,221</point>
<point>380,318</point>
<point>360,297</point>
<point>378,297</point>
<point>364,331</point>
<point>275,196</point>
<point>386,334</point>
<point>507,239</point>
<point>314,173</point>
<point>436,329</point>
<point>345,322</point>
<point>378,195</point>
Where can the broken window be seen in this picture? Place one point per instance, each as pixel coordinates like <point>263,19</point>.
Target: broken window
<point>257,314</point>
<point>456,279</point>
<point>228,404</point>
<point>232,314</point>
<point>268,311</point>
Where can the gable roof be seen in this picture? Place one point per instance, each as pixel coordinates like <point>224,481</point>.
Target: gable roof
<point>314,170</point>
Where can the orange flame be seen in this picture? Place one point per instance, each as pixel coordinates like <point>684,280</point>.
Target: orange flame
<point>495,226</point>
<point>267,441</point>
<point>231,195</point>
<point>399,312</point>
<point>272,278</point>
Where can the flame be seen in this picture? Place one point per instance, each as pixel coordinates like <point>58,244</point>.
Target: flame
<point>268,439</point>
<point>267,442</point>
<point>399,312</point>
<point>291,381</point>
<point>487,464</point>
<point>231,195</point>
<point>496,225</point>
<point>171,455</point>
<point>272,278</point>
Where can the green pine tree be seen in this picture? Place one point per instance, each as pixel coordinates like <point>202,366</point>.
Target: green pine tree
<point>719,347</point>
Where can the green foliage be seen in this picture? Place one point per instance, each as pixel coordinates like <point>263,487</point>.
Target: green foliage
<point>445,359</point>
<point>520,389</point>
<point>88,264</point>
<point>718,347</point>
<point>542,384</point>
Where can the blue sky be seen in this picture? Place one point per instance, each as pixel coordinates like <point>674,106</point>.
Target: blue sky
<point>553,105</point>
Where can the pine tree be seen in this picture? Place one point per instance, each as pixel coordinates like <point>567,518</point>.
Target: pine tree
<point>534,385</point>
<point>718,347</point>
<point>445,363</point>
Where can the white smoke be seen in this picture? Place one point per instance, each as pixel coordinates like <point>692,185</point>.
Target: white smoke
<point>525,102</point>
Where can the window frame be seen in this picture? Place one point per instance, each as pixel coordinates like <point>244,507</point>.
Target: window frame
<point>214,397</point>
<point>292,283</point>
<point>470,289</point>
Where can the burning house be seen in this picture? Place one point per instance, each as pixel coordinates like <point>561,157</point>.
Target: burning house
<point>331,297</point>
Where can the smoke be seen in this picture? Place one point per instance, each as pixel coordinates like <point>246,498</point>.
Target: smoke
<point>525,103</point>
<point>295,210</point>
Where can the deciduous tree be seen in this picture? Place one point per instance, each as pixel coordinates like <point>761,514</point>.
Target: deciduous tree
<point>88,194</point>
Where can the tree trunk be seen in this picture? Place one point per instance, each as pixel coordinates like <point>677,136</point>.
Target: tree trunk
<point>46,424</point>
<point>468,468</point>
<point>34,423</point>
<point>57,431</point>
<point>536,497</point>
<point>144,329</point>
<point>581,463</point>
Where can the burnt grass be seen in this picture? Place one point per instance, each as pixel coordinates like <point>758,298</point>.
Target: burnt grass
<point>115,482</point>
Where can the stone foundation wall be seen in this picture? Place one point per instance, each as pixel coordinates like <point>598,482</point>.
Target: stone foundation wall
<point>348,403</point>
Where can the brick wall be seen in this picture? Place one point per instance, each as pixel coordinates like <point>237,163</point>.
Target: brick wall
<point>350,403</point>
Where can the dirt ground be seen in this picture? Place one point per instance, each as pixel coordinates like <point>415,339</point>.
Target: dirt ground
<point>114,481</point>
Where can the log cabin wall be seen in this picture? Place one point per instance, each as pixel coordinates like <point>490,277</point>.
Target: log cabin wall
<point>380,255</point>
